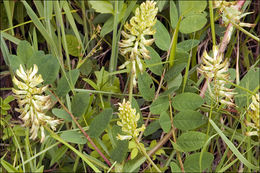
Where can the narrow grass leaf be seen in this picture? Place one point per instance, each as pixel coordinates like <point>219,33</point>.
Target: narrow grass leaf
<point>232,147</point>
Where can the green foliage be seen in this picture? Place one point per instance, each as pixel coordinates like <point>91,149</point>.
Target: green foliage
<point>63,86</point>
<point>187,101</point>
<point>162,36</point>
<point>79,104</point>
<point>59,38</point>
<point>100,122</point>
<point>188,120</point>
<point>146,86</point>
<point>191,140</point>
<point>192,162</point>
<point>73,137</point>
<point>165,122</point>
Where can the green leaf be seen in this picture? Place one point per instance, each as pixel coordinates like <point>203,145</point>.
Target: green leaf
<point>15,62</point>
<point>152,127</point>
<point>186,101</point>
<point>73,45</point>
<point>187,45</point>
<point>100,122</point>
<point>119,152</point>
<point>60,113</point>
<point>250,81</point>
<point>24,51</point>
<point>102,6</point>
<point>192,162</point>
<point>162,36</point>
<point>159,105</point>
<point>165,122</point>
<point>80,103</point>
<point>155,61</point>
<point>174,167</point>
<point>188,120</point>
<point>191,7</point>
<point>45,62</point>
<point>176,82</point>
<point>173,72</point>
<point>146,86</point>
<point>191,141</point>
<point>173,14</point>
<point>73,137</point>
<point>86,67</point>
<point>233,148</point>
<point>8,166</point>
<point>161,5</point>
<point>134,153</point>
<point>192,23</point>
<point>63,86</point>
<point>58,154</point>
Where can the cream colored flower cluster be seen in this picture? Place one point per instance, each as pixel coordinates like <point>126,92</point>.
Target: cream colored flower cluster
<point>134,33</point>
<point>32,103</point>
<point>230,12</point>
<point>128,121</point>
<point>254,110</point>
<point>216,68</point>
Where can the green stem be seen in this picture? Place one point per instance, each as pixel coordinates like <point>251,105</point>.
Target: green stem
<point>245,31</point>
<point>146,155</point>
<point>131,85</point>
<point>212,24</point>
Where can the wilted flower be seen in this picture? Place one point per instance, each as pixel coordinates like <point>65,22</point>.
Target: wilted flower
<point>230,12</point>
<point>216,68</point>
<point>128,121</point>
<point>32,103</point>
<point>133,46</point>
<point>254,110</point>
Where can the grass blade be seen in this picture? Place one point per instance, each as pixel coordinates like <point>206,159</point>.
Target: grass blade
<point>233,148</point>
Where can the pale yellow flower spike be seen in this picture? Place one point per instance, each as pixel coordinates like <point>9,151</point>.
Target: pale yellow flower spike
<point>230,13</point>
<point>133,45</point>
<point>128,121</point>
<point>32,104</point>
<point>254,110</point>
<point>216,68</point>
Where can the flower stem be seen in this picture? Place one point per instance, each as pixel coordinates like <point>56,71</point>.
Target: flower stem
<point>146,155</point>
<point>131,85</point>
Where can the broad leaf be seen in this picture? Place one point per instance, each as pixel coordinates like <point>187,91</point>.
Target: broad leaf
<point>187,101</point>
<point>162,36</point>
<point>155,61</point>
<point>152,127</point>
<point>73,137</point>
<point>80,103</point>
<point>188,120</point>
<point>146,86</point>
<point>187,45</point>
<point>191,141</point>
<point>60,113</point>
<point>102,6</point>
<point>159,105</point>
<point>192,7</point>
<point>192,23</point>
<point>173,14</point>
<point>165,122</point>
<point>100,122</point>
<point>63,86</point>
<point>192,162</point>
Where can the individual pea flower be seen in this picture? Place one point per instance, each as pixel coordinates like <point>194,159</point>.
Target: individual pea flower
<point>133,46</point>
<point>216,68</point>
<point>253,112</point>
<point>128,121</point>
<point>231,13</point>
<point>32,103</point>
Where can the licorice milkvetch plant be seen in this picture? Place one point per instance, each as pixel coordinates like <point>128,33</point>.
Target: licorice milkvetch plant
<point>216,68</point>
<point>32,103</point>
<point>135,33</point>
<point>128,122</point>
